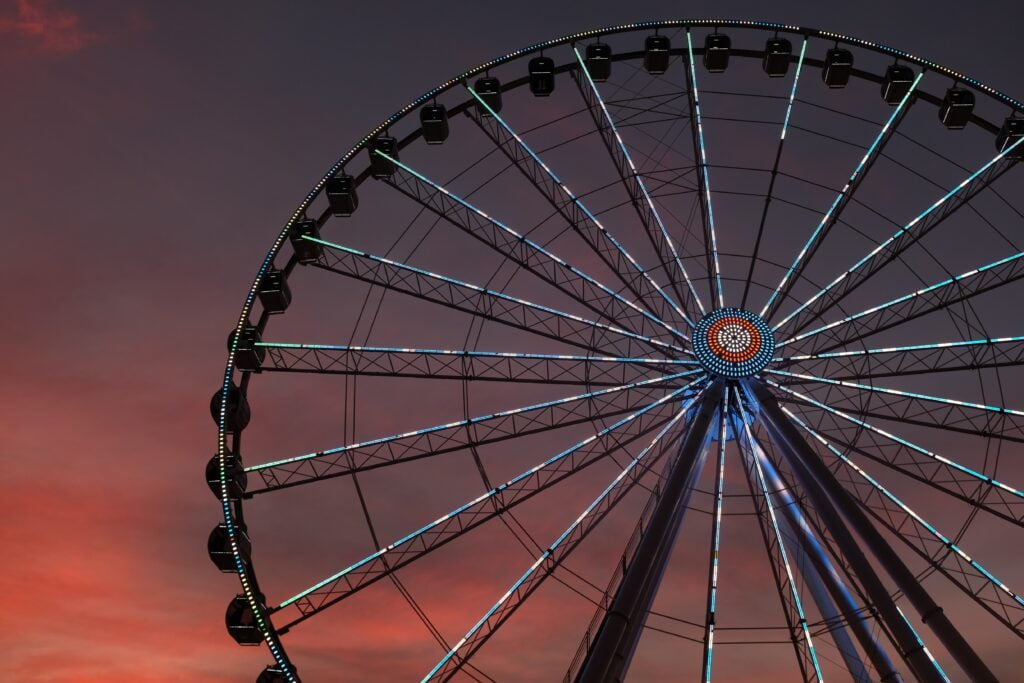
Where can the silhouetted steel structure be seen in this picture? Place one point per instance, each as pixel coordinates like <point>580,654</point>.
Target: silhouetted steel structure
<point>683,351</point>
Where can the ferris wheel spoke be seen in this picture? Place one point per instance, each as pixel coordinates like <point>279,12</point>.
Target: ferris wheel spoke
<point>919,463</point>
<point>835,211</point>
<point>913,305</point>
<point>635,187</point>
<point>500,366</point>
<point>554,554</point>
<point>774,174</point>
<point>478,301</point>
<point>937,549</point>
<point>895,361</point>
<point>612,253</point>
<point>454,436</point>
<point>528,254</point>
<point>481,509</point>
<point>782,571</point>
<point>921,409</point>
<point>892,247</point>
<point>716,541</point>
<point>703,178</point>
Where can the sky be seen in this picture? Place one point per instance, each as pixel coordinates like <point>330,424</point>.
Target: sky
<point>152,152</point>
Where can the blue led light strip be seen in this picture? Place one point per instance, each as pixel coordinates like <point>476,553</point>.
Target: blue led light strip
<point>477,354</point>
<point>839,198</point>
<point>579,204</point>
<point>639,180</point>
<point>946,541</point>
<point>906,228</point>
<point>924,647</point>
<point>706,175</point>
<point>752,453</point>
<point>898,392</point>
<point>716,539</point>
<point>497,294</point>
<point>901,349</point>
<point>556,552</point>
<point>473,420</point>
<point>537,248</point>
<point>488,495</point>
<point>900,440</point>
<point>948,282</point>
<point>792,93</point>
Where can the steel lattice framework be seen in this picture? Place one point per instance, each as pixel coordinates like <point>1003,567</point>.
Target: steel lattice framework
<point>838,345</point>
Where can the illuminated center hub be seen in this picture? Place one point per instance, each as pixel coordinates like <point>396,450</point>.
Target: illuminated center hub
<point>732,342</point>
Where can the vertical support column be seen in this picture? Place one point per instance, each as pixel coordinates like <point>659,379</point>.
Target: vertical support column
<point>616,639</point>
<point>825,491</point>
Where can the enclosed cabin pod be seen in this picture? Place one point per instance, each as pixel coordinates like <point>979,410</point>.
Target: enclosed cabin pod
<point>1009,135</point>
<point>716,52</point>
<point>434,123</point>
<point>236,411</point>
<point>248,354</point>
<point>307,251</point>
<point>273,674</point>
<point>957,107</point>
<point>777,52</point>
<point>382,167</point>
<point>341,195</point>
<point>656,54</point>
<point>489,90</point>
<point>598,59</point>
<point>274,292</point>
<point>218,545</point>
<point>542,76</point>
<point>838,65</point>
<point>234,476</point>
<point>241,621</point>
<point>898,79</point>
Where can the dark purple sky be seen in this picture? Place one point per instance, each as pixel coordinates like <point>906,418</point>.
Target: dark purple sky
<point>150,153</point>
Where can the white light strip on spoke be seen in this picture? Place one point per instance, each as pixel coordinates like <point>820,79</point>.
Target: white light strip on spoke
<point>579,204</point>
<point>495,293</point>
<point>705,173</point>
<point>917,518</point>
<point>906,297</point>
<point>534,245</point>
<point>755,456</point>
<point>900,349</point>
<point>473,420</point>
<point>882,245</point>
<point>709,640</point>
<point>792,93</point>
<point>897,392</point>
<point>839,198</point>
<point>639,180</point>
<point>900,440</point>
<point>488,495</point>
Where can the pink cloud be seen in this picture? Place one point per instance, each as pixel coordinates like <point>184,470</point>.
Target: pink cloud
<point>48,28</point>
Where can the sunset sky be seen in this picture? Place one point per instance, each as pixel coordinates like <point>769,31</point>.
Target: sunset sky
<point>150,153</point>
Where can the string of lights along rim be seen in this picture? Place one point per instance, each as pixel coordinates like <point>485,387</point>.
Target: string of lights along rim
<point>674,350</point>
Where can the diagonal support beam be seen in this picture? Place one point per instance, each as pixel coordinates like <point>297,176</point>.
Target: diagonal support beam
<point>616,639</point>
<point>826,492</point>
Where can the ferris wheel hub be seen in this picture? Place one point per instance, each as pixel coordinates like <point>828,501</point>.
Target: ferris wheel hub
<point>733,343</point>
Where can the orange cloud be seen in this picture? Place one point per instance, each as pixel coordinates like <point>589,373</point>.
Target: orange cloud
<point>48,28</point>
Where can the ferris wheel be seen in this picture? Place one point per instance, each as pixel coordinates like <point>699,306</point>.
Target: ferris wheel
<point>781,294</point>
